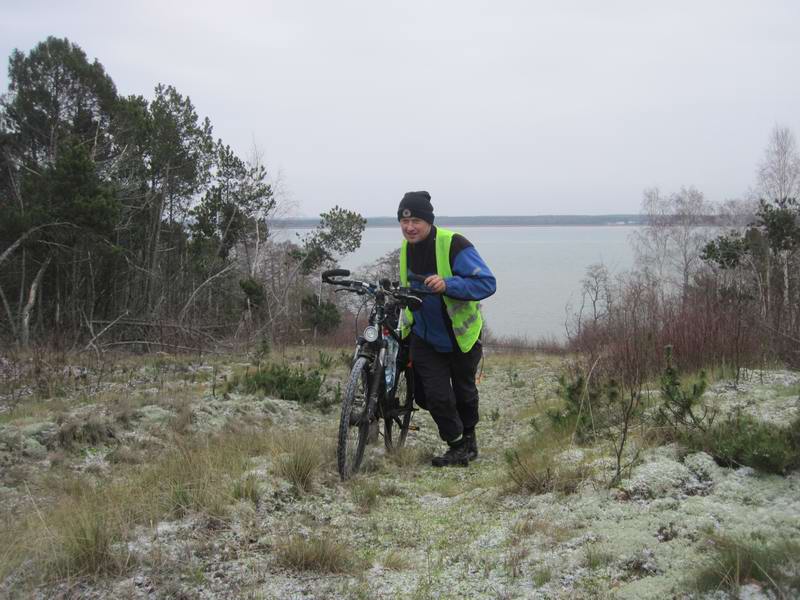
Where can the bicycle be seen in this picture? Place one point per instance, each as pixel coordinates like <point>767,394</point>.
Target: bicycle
<point>381,381</point>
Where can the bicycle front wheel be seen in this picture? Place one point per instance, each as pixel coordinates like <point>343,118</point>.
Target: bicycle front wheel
<point>397,419</point>
<point>354,420</point>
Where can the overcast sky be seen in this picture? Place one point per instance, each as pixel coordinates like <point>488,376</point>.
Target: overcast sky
<point>495,107</point>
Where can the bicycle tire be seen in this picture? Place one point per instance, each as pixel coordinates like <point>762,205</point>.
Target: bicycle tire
<point>395,428</point>
<point>353,432</point>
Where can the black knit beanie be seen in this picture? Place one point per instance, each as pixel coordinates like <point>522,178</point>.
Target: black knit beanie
<point>416,204</point>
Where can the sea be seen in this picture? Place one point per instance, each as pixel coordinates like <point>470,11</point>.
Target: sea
<point>539,270</point>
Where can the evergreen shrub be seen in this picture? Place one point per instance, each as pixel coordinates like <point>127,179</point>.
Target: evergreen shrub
<point>742,440</point>
<point>281,381</point>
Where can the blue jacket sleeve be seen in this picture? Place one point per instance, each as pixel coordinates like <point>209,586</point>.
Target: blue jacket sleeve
<point>472,279</point>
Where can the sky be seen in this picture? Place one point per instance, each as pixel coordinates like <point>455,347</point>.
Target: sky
<point>495,107</point>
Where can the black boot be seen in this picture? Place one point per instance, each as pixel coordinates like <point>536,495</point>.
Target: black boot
<point>472,445</point>
<point>456,455</point>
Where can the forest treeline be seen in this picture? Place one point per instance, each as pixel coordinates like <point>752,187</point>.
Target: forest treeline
<point>499,221</point>
<point>709,296</point>
<point>124,221</point>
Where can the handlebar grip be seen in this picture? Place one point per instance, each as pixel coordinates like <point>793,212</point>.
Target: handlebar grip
<point>415,277</point>
<point>327,275</point>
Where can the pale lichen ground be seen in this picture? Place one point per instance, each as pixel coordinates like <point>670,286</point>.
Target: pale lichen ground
<point>441,533</point>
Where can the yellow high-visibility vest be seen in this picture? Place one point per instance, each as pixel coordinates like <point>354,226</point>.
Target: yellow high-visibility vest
<point>465,315</point>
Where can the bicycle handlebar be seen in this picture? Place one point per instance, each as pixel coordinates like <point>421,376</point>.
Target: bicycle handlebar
<point>407,295</point>
<point>327,276</point>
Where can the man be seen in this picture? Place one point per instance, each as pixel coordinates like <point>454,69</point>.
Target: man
<point>445,331</point>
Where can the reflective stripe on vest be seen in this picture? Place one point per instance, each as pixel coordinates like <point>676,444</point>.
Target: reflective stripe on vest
<point>465,315</point>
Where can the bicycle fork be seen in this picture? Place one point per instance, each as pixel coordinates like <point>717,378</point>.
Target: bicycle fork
<point>375,383</point>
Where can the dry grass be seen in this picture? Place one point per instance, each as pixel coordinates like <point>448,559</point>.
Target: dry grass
<point>181,422</point>
<point>532,465</point>
<point>531,526</point>
<point>409,458</point>
<point>597,556</point>
<point>321,553</point>
<point>395,561</point>
<point>78,534</point>
<point>126,455</point>
<point>367,493</point>
<point>520,344</point>
<point>92,431</point>
<point>299,457</point>
<point>79,537</point>
<point>739,560</point>
<point>542,576</point>
<point>247,489</point>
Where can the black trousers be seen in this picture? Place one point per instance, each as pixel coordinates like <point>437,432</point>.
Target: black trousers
<point>444,385</point>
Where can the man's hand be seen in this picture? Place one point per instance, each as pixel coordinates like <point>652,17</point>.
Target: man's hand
<point>436,284</point>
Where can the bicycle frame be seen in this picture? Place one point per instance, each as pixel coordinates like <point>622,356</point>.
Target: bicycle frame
<point>377,350</point>
<point>379,364</point>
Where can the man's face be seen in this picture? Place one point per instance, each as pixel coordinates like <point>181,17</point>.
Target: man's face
<point>414,229</point>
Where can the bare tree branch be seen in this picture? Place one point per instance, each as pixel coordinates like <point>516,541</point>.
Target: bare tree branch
<point>185,308</point>
<point>106,328</point>
<point>8,251</point>
<point>26,311</point>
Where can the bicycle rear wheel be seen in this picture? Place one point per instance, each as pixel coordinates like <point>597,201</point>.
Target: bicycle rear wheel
<point>397,417</point>
<point>354,420</point>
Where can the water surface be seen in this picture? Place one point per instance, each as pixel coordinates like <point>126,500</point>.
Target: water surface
<point>538,269</point>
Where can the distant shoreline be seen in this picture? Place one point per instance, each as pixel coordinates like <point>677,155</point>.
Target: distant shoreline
<point>620,220</point>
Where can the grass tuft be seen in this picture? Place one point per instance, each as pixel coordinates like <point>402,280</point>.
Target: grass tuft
<point>93,431</point>
<point>540,473</point>
<point>365,494</point>
<point>87,542</point>
<point>395,561</point>
<point>299,458</point>
<point>318,553</point>
<point>530,526</point>
<point>542,576</point>
<point>775,563</point>
<point>247,489</point>
<point>407,457</point>
<point>597,556</point>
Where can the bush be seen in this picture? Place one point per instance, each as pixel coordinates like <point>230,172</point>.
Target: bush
<point>681,407</point>
<point>743,440</point>
<point>282,381</point>
<point>640,316</point>
<point>322,315</point>
<point>576,415</point>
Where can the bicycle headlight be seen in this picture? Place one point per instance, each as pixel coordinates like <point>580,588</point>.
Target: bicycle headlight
<point>371,333</point>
